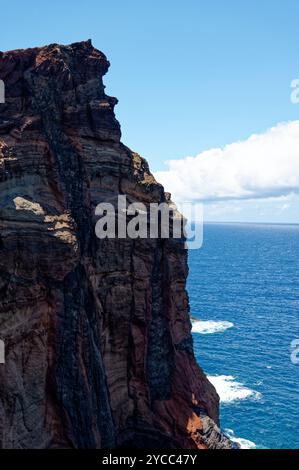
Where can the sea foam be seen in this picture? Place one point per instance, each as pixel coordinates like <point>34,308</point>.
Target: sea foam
<point>230,390</point>
<point>243,443</point>
<point>210,326</point>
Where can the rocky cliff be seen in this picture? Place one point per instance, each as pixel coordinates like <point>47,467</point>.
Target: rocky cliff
<point>97,332</point>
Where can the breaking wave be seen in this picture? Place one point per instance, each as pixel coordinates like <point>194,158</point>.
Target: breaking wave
<point>230,390</point>
<point>243,443</point>
<point>210,326</point>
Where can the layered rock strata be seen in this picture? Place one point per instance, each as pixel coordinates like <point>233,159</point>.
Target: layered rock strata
<point>98,349</point>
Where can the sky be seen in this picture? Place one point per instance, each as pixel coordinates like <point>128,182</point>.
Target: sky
<point>197,82</point>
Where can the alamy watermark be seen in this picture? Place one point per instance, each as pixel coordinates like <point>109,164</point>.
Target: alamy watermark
<point>295,93</point>
<point>295,351</point>
<point>2,92</point>
<point>2,352</point>
<point>136,220</point>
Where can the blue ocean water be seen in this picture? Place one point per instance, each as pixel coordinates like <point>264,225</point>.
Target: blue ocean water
<point>244,290</point>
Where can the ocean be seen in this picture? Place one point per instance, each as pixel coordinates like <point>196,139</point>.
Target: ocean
<point>244,295</point>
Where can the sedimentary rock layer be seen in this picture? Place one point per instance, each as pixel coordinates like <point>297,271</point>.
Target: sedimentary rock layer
<point>97,332</point>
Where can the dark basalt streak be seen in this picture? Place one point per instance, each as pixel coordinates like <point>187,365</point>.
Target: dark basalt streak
<point>98,339</point>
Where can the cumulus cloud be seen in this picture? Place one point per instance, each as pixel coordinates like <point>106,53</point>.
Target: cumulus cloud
<point>265,165</point>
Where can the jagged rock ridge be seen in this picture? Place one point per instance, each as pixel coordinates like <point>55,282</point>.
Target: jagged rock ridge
<point>97,332</point>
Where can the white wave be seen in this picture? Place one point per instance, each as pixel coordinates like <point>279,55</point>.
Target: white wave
<point>230,390</point>
<point>210,326</point>
<point>243,443</point>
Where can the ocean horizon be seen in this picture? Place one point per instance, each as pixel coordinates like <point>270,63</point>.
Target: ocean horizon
<point>215,222</point>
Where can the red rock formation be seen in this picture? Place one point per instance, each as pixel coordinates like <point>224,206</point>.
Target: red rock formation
<point>97,332</point>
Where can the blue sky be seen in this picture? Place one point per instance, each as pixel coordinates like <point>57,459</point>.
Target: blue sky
<point>189,75</point>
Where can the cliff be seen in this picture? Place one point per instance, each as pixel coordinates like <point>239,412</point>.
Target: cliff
<point>97,332</point>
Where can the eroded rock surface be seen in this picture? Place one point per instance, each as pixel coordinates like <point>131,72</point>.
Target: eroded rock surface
<point>97,332</point>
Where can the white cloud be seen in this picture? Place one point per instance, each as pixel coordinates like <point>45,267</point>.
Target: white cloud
<point>265,165</point>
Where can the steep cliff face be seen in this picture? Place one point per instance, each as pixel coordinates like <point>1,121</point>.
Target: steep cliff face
<point>97,332</point>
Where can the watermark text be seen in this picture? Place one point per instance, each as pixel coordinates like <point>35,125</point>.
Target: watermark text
<point>2,352</point>
<point>295,351</point>
<point>2,92</point>
<point>150,221</point>
<point>295,93</point>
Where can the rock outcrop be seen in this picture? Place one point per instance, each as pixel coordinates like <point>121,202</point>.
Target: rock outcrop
<point>97,332</point>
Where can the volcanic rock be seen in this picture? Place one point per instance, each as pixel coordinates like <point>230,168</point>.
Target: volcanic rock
<point>97,333</point>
